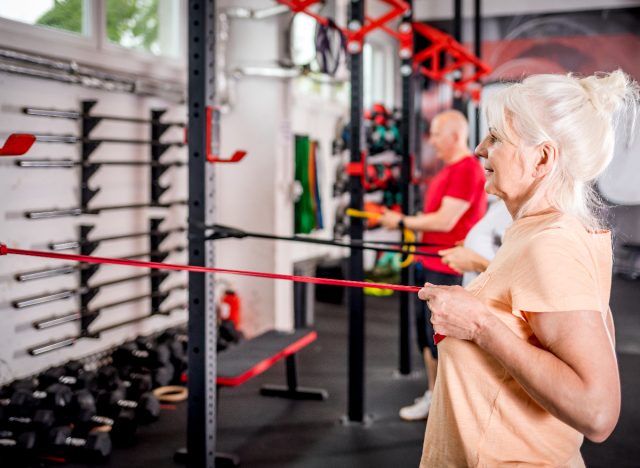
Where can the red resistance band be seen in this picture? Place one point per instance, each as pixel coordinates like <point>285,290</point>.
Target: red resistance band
<point>4,250</point>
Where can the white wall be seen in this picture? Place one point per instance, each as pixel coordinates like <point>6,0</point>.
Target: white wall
<point>23,189</point>
<point>256,195</point>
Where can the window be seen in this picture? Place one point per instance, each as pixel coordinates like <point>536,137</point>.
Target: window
<point>148,25</point>
<point>67,15</point>
<point>145,37</point>
<point>378,79</point>
<point>302,40</point>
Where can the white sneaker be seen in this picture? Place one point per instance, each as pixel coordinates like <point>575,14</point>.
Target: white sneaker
<point>419,410</point>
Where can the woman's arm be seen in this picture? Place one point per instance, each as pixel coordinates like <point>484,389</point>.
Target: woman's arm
<point>575,375</point>
<point>464,260</point>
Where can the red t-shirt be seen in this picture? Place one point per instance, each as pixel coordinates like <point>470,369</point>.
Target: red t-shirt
<point>464,180</point>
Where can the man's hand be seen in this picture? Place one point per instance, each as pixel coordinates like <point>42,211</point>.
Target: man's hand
<point>390,219</point>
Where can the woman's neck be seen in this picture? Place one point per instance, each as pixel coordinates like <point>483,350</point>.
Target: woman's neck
<point>541,206</point>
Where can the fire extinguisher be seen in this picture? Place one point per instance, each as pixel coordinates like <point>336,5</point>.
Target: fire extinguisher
<point>230,307</point>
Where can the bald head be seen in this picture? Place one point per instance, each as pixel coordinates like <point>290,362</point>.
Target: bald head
<point>452,121</point>
<point>448,135</point>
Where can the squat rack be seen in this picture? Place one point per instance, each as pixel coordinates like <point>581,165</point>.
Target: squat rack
<point>202,135</point>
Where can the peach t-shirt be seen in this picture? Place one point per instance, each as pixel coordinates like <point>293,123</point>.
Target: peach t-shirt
<point>480,416</point>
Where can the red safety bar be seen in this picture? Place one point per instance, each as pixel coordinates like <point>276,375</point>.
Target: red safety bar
<point>429,63</point>
<point>214,158</point>
<point>355,37</point>
<point>262,366</point>
<point>17,144</point>
<point>404,35</point>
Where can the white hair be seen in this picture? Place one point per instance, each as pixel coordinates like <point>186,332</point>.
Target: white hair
<point>580,116</point>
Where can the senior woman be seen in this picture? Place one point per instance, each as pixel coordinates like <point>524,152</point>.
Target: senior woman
<point>528,367</point>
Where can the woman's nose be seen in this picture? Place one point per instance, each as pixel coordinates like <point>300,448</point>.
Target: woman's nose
<point>480,150</point>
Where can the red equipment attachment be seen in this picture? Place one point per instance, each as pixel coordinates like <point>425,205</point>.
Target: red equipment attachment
<point>369,177</point>
<point>404,35</point>
<point>211,156</point>
<point>460,60</point>
<point>355,35</point>
<point>17,144</point>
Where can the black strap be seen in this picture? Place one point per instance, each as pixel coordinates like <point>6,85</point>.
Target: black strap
<point>331,45</point>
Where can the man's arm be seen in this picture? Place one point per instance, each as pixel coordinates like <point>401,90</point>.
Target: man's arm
<point>444,220</point>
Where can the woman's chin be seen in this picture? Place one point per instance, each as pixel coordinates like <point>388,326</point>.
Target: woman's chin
<point>490,188</point>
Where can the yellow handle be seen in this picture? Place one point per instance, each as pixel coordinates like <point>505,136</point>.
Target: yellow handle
<point>353,213</point>
<point>409,236</point>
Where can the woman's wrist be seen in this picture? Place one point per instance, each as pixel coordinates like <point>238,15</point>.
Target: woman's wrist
<point>487,325</point>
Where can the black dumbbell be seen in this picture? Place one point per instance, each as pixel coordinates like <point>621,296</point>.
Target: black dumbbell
<point>96,447</point>
<point>136,383</point>
<point>24,402</point>
<point>65,376</point>
<point>22,384</point>
<point>40,422</point>
<point>147,407</point>
<point>157,360</point>
<point>13,445</point>
<point>141,353</point>
<point>27,386</point>
<point>176,341</point>
<point>84,417</point>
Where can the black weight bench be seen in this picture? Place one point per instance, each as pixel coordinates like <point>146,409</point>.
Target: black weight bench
<point>252,357</point>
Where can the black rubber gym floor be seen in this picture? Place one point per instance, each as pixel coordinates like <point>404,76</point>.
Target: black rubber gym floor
<point>276,433</point>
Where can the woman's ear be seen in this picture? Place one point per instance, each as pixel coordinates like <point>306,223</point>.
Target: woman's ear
<point>547,158</point>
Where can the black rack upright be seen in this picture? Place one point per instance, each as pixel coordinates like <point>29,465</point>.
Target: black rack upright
<point>356,396</point>
<point>407,130</point>
<point>201,417</point>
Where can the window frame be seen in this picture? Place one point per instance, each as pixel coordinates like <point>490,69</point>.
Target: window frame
<point>94,48</point>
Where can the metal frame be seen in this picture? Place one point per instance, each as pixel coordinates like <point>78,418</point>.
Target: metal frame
<point>477,48</point>
<point>356,359</point>
<point>201,417</point>
<point>458,101</point>
<point>408,203</point>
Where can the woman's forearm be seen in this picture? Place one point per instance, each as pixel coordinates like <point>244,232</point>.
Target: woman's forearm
<point>547,379</point>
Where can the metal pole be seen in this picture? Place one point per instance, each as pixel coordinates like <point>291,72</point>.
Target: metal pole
<point>201,416</point>
<point>458,102</point>
<point>407,274</point>
<point>355,405</point>
<point>477,40</point>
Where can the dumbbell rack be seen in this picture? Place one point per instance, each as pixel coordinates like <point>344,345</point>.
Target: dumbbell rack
<point>75,411</point>
<point>86,292</point>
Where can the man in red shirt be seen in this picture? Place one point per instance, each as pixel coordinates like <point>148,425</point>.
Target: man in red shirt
<point>454,202</point>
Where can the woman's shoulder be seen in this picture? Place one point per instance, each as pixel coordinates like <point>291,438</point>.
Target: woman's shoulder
<point>545,232</point>
<point>563,232</point>
<point>560,224</point>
